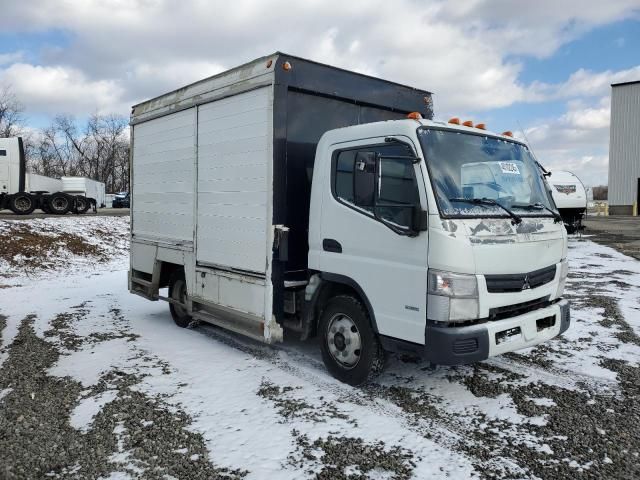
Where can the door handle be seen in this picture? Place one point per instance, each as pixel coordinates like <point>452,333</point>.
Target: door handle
<point>331,245</point>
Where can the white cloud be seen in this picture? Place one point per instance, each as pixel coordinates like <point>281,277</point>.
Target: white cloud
<point>577,141</point>
<point>61,89</point>
<point>462,51</point>
<point>8,58</point>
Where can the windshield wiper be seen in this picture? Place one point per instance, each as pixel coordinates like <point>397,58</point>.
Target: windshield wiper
<point>516,219</point>
<point>539,206</point>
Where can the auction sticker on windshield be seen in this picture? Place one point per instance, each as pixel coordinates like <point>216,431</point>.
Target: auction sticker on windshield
<point>509,167</point>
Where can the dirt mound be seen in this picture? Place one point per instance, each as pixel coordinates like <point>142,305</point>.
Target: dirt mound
<point>37,245</point>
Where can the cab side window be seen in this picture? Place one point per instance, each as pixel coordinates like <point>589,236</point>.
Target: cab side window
<point>397,188</point>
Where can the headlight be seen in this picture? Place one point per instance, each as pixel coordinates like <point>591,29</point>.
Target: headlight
<point>452,284</point>
<point>562,280</point>
<point>452,296</point>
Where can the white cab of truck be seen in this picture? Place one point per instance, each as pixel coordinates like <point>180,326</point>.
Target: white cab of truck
<point>269,202</point>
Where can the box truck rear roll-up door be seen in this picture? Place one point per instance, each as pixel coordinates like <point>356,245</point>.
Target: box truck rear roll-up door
<point>234,163</point>
<point>164,152</point>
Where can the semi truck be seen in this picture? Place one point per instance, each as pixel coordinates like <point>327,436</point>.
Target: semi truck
<point>313,201</point>
<point>23,192</point>
<point>570,197</point>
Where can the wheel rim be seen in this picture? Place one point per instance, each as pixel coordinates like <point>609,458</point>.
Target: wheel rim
<point>23,204</point>
<point>179,294</point>
<point>59,203</point>
<point>344,341</point>
<point>81,204</point>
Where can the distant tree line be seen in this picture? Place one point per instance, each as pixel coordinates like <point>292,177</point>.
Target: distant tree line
<point>97,149</point>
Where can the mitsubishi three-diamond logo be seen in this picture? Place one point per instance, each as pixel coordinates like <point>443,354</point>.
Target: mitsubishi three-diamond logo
<point>526,285</point>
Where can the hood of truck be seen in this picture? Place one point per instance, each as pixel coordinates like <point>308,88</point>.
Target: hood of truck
<point>494,245</point>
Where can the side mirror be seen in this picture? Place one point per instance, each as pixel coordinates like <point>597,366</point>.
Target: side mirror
<point>364,179</point>
<point>419,219</point>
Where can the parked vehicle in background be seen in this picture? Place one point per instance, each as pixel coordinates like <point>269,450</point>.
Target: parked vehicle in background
<point>570,196</point>
<point>289,194</point>
<point>121,200</point>
<point>23,192</point>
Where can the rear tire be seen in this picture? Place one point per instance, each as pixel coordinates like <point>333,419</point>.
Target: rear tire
<point>178,292</point>
<point>59,203</point>
<point>350,348</point>
<point>22,203</point>
<point>82,204</point>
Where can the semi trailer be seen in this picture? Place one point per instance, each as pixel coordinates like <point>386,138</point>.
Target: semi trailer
<point>85,187</point>
<point>318,202</point>
<point>23,192</point>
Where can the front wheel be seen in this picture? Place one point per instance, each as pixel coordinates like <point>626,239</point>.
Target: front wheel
<point>350,348</point>
<point>178,295</point>
<point>22,203</point>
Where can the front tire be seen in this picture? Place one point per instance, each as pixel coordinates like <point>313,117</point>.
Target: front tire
<point>22,203</point>
<point>350,348</point>
<point>178,293</point>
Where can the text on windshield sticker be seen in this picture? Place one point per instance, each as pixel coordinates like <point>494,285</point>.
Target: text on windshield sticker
<point>509,167</point>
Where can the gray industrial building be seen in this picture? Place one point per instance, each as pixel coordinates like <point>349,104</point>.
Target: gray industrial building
<point>624,149</point>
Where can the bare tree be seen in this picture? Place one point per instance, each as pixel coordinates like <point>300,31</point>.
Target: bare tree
<point>11,113</point>
<point>99,151</point>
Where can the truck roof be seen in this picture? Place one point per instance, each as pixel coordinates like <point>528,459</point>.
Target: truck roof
<point>408,125</point>
<point>303,74</point>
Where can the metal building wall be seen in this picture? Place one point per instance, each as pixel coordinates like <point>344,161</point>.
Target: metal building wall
<point>624,147</point>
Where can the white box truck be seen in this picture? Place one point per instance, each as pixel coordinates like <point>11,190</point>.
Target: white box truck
<point>287,194</point>
<point>23,192</point>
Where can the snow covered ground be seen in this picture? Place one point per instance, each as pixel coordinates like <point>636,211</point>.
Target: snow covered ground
<point>102,384</point>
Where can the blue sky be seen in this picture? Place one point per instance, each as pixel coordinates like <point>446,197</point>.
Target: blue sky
<point>544,65</point>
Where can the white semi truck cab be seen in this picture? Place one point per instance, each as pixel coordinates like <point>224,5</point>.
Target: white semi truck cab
<point>23,192</point>
<point>408,235</point>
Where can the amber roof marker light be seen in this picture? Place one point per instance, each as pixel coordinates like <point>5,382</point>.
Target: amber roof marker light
<point>414,116</point>
<point>481,126</point>
<point>454,120</point>
<point>468,123</point>
<point>508,133</point>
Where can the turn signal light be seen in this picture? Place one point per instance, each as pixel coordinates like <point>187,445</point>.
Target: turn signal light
<point>287,66</point>
<point>269,63</point>
<point>468,123</point>
<point>414,116</point>
<point>508,133</point>
<point>481,126</point>
<point>454,120</point>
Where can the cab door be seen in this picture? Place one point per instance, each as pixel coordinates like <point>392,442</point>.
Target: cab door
<point>374,247</point>
<point>4,170</point>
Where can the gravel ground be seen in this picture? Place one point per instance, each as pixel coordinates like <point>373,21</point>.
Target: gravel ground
<point>569,408</point>
<point>133,434</point>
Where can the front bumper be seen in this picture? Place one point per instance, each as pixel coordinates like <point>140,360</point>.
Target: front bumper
<point>469,344</point>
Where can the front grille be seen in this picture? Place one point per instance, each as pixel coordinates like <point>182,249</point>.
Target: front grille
<point>516,282</point>
<point>498,313</point>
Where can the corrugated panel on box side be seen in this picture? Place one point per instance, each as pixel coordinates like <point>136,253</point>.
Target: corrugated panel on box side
<point>234,155</point>
<point>163,177</point>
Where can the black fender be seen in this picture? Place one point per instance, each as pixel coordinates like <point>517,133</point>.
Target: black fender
<point>321,294</point>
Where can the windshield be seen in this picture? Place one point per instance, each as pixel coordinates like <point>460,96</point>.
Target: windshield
<point>464,167</point>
